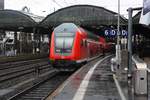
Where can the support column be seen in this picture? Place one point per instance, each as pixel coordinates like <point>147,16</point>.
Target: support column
<point>39,40</point>
<point>33,42</point>
<point>15,42</point>
<point>20,40</point>
<point>130,42</point>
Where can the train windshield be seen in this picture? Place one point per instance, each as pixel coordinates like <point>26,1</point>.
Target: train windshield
<point>63,42</point>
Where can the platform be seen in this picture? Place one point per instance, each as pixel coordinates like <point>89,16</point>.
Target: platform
<point>94,81</point>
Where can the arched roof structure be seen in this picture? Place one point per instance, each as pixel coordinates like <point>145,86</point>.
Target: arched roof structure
<point>84,15</point>
<point>17,20</point>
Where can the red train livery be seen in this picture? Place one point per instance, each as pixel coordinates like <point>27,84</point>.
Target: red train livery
<point>71,44</point>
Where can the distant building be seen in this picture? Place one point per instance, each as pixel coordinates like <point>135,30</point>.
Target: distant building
<point>1,4</point>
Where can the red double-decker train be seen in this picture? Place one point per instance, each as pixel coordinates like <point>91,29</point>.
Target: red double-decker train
<point>72,45</point>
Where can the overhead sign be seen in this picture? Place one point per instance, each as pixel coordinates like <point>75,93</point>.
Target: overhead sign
<point>145,15</point>
<point>114,32</point>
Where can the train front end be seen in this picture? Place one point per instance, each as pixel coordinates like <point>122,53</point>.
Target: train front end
<point>62,44</point>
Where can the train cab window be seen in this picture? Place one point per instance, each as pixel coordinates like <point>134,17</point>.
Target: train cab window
<point>59,42</point>
<point>68,42</point>
<point>85,43</point>
<point>64,42</point>
<point>66,28</point>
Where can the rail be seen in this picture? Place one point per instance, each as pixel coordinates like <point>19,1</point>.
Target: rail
<point>17,76</point>
<point>42,89</point>
<point>13,73</point>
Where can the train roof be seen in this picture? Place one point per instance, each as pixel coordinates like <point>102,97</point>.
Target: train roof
<point>91,35</point>
<point>72,28</point>
<point>66,27</point>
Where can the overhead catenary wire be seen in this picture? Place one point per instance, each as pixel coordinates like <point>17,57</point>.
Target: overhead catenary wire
<point>57,3</point>
<point>65,2</point>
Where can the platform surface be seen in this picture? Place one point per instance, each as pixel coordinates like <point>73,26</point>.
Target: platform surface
<point>93,81</point>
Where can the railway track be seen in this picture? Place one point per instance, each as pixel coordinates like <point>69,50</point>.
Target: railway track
<point>19,63</point>
<point>16,72</point>
<point>8,74</point>
<point>41,90</point>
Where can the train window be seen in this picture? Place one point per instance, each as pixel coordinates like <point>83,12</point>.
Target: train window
<point>66,28</point>
<point>85,43</point>
<point>82,43</point>
<point>59,42</point>
<point>63,44</point>
<point>68,42</point>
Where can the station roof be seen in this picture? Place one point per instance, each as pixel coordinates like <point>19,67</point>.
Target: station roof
<point>83,15</point>
<point>136,18</point>
<point>18,20</point>
<point>139,28</point>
